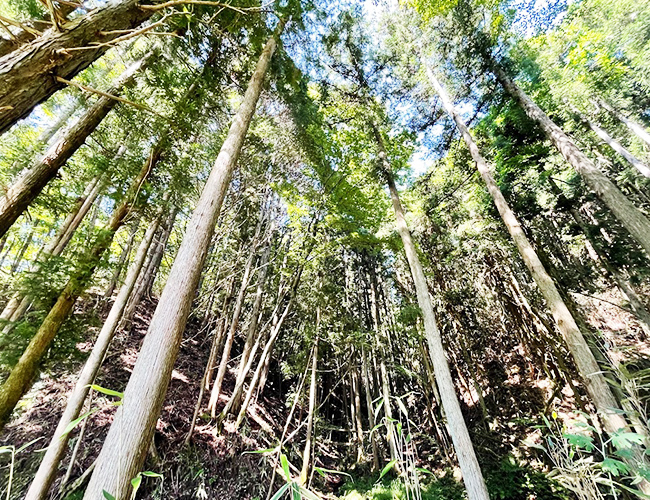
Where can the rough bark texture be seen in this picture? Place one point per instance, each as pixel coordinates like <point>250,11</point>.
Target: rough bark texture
<point>32,181</point>
<point>472,476</point>
<point>29,74</point>
<point>21,36</point>
<point>623,209</point>
<point>128,439</point>
<point>595,382</point>
<point>22,375</point>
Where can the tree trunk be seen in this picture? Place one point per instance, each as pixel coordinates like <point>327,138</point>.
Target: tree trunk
<point>306,454</point>
<point>639,130</point>
<point>125,447</point>
<point>376,458</point>
<point>21,376</point>
<point>251,345</point>
<point>595,382</point>
<point>630,217</point>
<point>22,36</point>
<point>21,253</point>
<point>32,181</point>
<point>56,450</point>
<point>29,74</point>
<point>234,324</point>
<point>470,468</point>
<point>641,167</point>
<point>124,255</point>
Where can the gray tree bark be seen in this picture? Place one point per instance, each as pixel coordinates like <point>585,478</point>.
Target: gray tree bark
<point>623,209</point>
<point>472,476</point>
<point>126,444</point>
<point>32,181</point>
<point>29,73</point>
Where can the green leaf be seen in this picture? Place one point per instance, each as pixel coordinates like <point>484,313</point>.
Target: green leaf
<point>285,466</point>
<point>295,491</point>
<point>135,482</point>
<point>148,473</point>
<point>623,440</point>
<point>280,492</point>
<point>580,441</point>
<point>401,406</point>
<point>322,471</point>
<point>308,494</point>
<point>424,471</point>
<point>75,422</point>
<point>107,495</point>
<point>386,469</point>
<point>614,467</point>
<point>108,392</point>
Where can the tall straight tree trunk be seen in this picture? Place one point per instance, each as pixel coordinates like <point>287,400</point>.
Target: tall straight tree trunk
<point>128,439</point>
<point>32,181</point>
<point>595,382</point>
<point>376,459</point>
<point>602,134</point>
<point>21,252</point>
<point>124,255</point>
<point>234,324</point>
<point>639,130</point>
<point>306,454</point>
<point>20,302</point>
<point>22,375</point>
<point>586,363</point>
<point>623,209</point>
<point>56,450</point>
<point>472,476</point>
<point>29,74</point>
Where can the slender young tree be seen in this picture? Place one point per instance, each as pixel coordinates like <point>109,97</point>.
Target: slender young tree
<point>472,476</point>
<point>602,134</point>
<point>595,382</point>
<point>22,375</point>
<point>306,454</point>
<point>128,439</point>
<point>639,130</point>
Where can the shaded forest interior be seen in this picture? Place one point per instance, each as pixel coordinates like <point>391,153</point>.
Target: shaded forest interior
<point>319,250</point>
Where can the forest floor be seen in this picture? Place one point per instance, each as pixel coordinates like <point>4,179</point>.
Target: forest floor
<point>225,464</point>
<point>215,465</point>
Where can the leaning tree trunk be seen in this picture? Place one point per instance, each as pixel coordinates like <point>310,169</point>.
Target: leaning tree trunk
<point>128,439</point>
<point>306,454</point>
<point>623,209</point>
<point>22,375</point>
<point>21,301</point>
<point>32,181</point>
<point>472,476</point>
<point>595,382</point>
<point>30,74</point>
<point>602,134</point>
<point>56,450</point>
<point>23,36</point>
<point>639,130</point>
